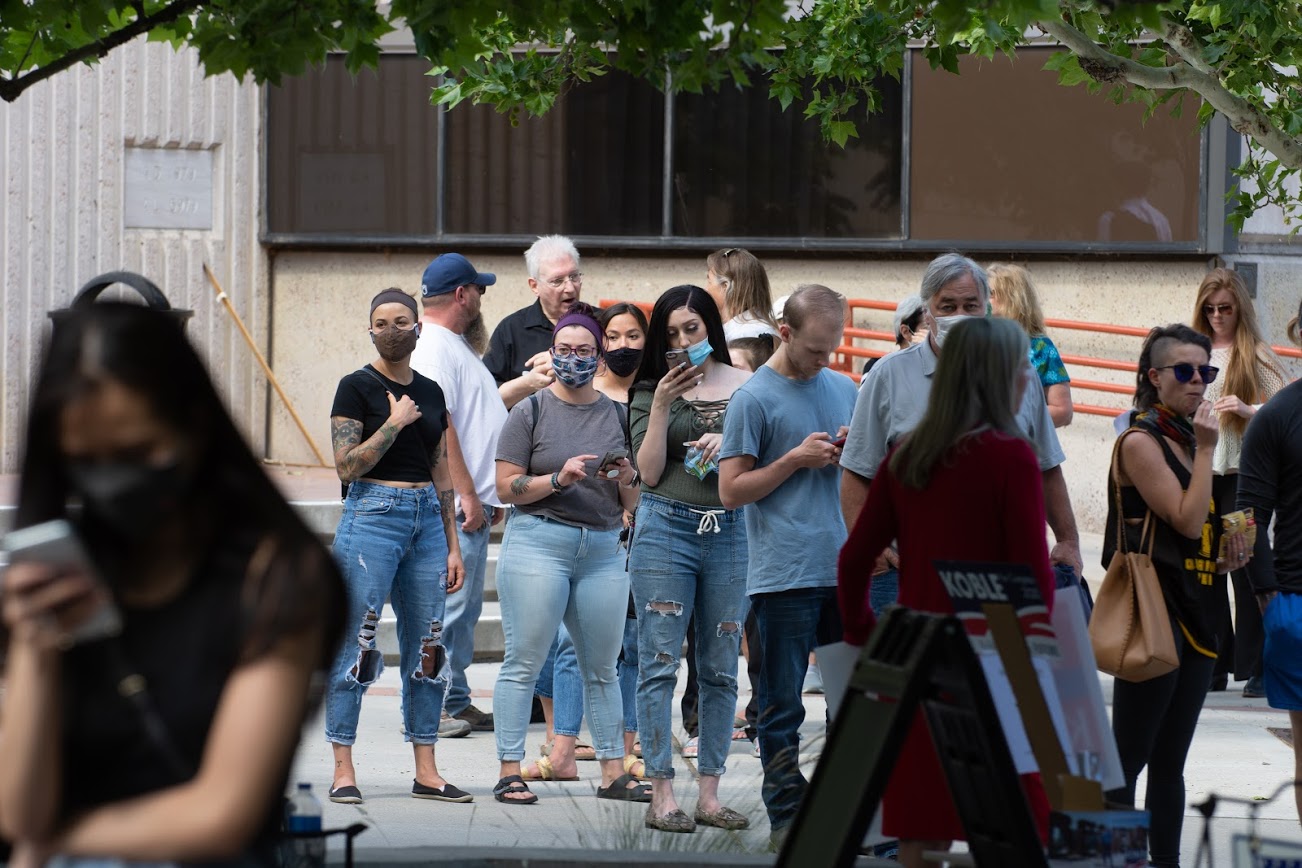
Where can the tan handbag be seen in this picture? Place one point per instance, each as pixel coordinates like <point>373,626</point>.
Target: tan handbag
<point>1130,629</point>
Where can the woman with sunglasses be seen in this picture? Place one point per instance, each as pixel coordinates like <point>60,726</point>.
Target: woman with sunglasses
<point>1251,374</point>
<point>562,465</point>
<point>1164,468</point>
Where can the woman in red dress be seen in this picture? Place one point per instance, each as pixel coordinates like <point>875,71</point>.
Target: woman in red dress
<point>964,485</point>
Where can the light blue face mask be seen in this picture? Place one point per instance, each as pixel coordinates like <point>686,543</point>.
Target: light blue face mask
<point>699,352</point>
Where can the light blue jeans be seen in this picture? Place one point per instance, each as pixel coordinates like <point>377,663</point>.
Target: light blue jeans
<point>628,674</point>
<point>390,545</point>
<point>463,611</point>
<point>547,573</point>
<point>684,563</point>
<point>560,682</point>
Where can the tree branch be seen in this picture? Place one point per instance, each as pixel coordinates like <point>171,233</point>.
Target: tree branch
<point>11,89</point>
<point>1185,44</point>
<point>1102,65</point>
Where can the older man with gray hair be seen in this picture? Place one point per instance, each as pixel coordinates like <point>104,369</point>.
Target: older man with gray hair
<point>893,400</point>
<point>518,353</point>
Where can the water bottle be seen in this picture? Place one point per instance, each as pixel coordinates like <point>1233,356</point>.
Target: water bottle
<point>303,814</point>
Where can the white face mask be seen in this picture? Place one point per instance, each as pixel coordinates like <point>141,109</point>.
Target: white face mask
<point>942,324</point>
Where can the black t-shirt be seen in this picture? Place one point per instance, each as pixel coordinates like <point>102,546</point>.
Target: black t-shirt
<point>362,395</point>
<point>517,339</point>
<point>1270,482</point>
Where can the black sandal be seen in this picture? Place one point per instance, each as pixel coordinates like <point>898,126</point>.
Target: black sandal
<point>513,784</point>
<point>620,791</point>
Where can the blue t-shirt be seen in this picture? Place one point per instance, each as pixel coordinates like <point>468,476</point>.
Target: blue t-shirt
<point>795,533</point>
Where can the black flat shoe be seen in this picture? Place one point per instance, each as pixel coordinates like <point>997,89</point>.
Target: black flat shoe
<point>346,795</point>
<point>1254,689</point>
<point>446,793</point>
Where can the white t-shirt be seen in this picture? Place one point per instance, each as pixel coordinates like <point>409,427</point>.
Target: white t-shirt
<point>743,325</point>
<point>472,398</point>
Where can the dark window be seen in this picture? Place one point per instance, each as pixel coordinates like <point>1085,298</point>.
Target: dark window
<point>1002,152</point>
<point>591,166</point>
<point>352,154</point>
<point>743,167</point>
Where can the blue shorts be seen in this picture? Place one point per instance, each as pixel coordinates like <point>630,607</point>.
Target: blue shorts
<point>1282,623</point>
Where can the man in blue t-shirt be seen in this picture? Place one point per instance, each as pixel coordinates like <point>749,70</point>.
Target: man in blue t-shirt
<point>781,444</point>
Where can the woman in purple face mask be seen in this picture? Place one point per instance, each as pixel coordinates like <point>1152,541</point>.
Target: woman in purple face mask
<point>562,464</point>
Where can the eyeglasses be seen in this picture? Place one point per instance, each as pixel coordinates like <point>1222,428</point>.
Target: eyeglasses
<point>586,351</point>
<point>402,328</point>
<point>477,288</point>
<point>1184,372</point>
<point>1221,309</point>
<point>574,277</point>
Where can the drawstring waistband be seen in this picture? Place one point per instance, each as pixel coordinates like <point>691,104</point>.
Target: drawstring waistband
<point>709,519</point>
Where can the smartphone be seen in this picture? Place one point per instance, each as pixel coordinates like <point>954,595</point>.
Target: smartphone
<point>55,543</point>
<point>676,357</point>
<point>839,443</point>
<point>605,468</point>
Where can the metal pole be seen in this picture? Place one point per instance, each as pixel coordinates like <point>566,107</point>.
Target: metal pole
<point>266,369</point>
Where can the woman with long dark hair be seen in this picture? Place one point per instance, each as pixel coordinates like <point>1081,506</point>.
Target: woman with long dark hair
<point>1164,468</point>
<point>1251,375</point>
<point>689,553</point>
<point>171,741</point>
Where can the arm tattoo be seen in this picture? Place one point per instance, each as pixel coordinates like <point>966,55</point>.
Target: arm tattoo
<point>354,459</point>
<point>520,484</point>
<point>447,502</point>
<point>440,453</point>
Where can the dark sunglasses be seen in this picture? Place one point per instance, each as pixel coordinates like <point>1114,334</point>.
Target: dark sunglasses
<point>1184,372</point>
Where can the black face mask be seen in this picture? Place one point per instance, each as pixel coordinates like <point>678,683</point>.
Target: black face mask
<point>623,361</point>
<point>394,344</point>
<point>130,498</point>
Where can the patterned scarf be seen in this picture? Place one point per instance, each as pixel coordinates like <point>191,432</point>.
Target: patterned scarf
<point>1163,420</point>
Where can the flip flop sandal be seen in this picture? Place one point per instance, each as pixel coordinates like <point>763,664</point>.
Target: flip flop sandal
<point>513,784</point>
<point>445,793</point>
<point>630,762</point>
<point>585,752</point>
<point>674,821</point>
<point>545,772</point>
<point>346,795</point>
<point>724,818</point>
<point>620,791</point>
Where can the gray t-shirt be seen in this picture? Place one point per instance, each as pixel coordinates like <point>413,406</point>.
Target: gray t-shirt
<point>795,533</point>
<point>560,432</point>
<point>893,400</point>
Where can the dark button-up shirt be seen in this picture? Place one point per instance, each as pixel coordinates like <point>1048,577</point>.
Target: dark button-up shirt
<point>517,339</point>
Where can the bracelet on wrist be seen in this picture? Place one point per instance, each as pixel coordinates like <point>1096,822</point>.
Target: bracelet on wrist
<point>557,488</point>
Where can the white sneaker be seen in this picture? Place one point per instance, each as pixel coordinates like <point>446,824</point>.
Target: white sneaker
<point>451,727</point>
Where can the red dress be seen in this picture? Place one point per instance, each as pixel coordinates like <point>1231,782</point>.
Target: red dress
<point>984,502</point>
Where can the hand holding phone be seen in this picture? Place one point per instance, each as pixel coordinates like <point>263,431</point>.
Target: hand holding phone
<point>607,467</point>
<point>53,582</point>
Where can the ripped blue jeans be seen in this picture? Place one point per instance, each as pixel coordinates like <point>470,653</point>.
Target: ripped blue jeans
<point>390,545</point>
<point>687,560</point>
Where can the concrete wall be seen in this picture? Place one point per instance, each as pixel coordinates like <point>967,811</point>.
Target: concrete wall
<point>64,213</point>
<point>320,308</point>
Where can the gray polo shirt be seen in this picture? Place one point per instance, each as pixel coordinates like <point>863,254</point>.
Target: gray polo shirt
<point>893,400</point>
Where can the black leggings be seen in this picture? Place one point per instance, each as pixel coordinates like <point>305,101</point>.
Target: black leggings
<point>1154,722</point>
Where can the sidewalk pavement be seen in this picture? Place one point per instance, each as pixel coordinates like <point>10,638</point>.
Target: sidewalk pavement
<point>1233,755</point>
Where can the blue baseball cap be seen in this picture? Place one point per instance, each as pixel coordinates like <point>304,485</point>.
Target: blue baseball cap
<point>449,271</point>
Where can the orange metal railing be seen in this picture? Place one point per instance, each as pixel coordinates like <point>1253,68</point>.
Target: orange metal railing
<point>848,351</point>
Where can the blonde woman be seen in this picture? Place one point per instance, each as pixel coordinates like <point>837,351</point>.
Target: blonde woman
<point>1251,374</point>
<point>968,449</point>
<point>1013,296</point>
<point>739,285</point>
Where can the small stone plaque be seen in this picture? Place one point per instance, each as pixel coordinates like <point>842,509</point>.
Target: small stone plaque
<point>168,188</point>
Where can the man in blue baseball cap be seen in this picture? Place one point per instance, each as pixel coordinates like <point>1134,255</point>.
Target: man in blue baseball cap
<point>452,339</point>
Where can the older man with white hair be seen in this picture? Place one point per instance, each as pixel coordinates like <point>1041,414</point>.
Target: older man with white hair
<point>893,399</point>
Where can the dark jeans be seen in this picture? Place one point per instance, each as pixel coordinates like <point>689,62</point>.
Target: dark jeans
<point>1153,722</point>
<point>791,625</point>
<point>1241,636</point>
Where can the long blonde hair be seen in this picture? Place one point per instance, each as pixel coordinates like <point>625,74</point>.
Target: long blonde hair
<point>747,288</point>
<point>1011,286</point>
<point>975,386</point>
<point>1249,348</point>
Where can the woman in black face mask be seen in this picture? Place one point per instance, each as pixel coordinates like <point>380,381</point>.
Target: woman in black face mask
<point>228,605</point>
<point>397,540</point>
<point>624,325</point>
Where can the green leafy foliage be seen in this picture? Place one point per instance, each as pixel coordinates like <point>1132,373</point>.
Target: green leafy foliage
<point>1241,57</point>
